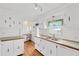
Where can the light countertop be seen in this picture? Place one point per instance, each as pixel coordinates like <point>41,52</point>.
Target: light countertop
<point>64,42</point>
<point>10,38</point>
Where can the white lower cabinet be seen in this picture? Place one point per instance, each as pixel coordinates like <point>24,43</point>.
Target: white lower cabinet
<point>33,39</point>
<point>49,48</point>
<point>37,43</point>
<point>0,48</point>
<point>12,47</point>
<point>52,49</point>
<point>45,47</point>
<point>7,48</point>
<point>65,51</point>
<point>18,47</point>
<point>45,50</point>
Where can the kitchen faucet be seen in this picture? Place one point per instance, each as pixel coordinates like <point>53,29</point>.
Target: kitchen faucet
<point>54,37</point>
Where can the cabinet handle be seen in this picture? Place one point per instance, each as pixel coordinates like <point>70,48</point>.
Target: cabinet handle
<point>43,47</point>
<point>38,44</point>
<point>40,50</point>
<point>18,47</point>
<point>56,46</point>
<point>40,40</point>
<point>8,50</point>
<point>50,51</point>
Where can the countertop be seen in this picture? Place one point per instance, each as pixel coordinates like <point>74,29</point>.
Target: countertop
<point>64,42</point>
<point>10,38</point>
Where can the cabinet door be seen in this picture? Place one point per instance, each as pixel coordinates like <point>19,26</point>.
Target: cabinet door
<point>37,40</point>
<point>45,50</point>
<point>44,47</point>
<point>7,48</point>
<point>52,49</point>
<point>37,43</point>
<point>65,51</point>
<point>49,48</point>
<point>18,47</point>
<point>40,44</point>
<point>33,39</point>
<point>0,49</point>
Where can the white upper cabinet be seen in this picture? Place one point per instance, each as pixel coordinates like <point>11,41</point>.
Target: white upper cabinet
<point>10,26</point>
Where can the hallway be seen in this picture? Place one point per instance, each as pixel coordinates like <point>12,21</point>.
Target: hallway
<point>30,50</point>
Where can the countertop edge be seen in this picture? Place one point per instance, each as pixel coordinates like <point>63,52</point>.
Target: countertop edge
<point>59,43</point>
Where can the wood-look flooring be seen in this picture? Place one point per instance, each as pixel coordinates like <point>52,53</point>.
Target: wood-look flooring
<point>29,49</point>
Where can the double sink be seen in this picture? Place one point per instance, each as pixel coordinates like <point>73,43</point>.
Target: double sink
<point>49,37</point>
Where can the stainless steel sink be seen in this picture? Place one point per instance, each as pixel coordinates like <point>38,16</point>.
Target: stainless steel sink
<point>49,37</point>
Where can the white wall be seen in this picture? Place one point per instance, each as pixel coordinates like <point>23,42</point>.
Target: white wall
<point>70,29</point>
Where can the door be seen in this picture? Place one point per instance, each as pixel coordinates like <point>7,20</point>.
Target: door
<point>7,48</point>
<point>18,46</point>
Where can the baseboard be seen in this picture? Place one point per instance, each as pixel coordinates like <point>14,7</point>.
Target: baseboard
<point>20,55</point>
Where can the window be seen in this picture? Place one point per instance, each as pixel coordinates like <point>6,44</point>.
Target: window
<point>55,25</point>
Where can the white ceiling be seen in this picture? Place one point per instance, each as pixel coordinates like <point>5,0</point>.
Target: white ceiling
<point>26,9</point>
